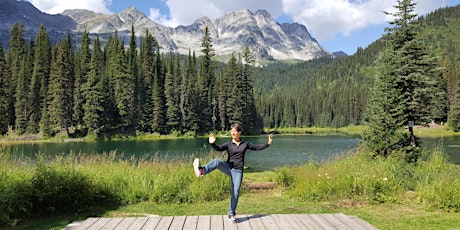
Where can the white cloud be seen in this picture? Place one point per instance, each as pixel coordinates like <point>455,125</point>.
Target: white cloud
<point>185,12</point>
<point>326,19</point>
<point>58,6</point>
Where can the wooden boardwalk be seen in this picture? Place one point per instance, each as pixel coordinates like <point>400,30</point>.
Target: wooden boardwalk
<point>220,222</point>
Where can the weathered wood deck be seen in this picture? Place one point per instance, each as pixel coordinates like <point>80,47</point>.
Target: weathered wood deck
<point>220,222</point>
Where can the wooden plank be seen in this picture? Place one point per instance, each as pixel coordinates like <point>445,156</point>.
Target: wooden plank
<point>308,221</point>
<point>99,223</point>
<point>191,223</point>
<point>283,222</point>
<point>111,224</point>
<point>322,222</point>
<point>334,221</point>
<point>269,222</point>
<point>204,222</point>
<point>151,223</point>
<point>124,224</point>
<point>256,222</point>
<point>85,224</point>
<point>165,222</point>
<point>220,222</point>
<point>138,223</point>
<point>363,223</point>
<point>217,222</point>
<point>293,221</point>
<point>243,222</point>
<point>351,224</point>
<point>177,223</point>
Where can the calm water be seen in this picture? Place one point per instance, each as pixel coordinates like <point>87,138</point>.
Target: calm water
<point>286,149</point>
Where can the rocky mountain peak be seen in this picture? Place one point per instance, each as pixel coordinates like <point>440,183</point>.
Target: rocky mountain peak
<point>230,33</point>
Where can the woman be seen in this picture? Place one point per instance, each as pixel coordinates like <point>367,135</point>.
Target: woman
<point>233,167</point>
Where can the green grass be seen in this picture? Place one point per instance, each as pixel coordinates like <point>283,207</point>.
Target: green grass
<point>387,193</point>
<point>433,131</point>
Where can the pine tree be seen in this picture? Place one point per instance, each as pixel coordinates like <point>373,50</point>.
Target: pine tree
<point>206,82</point>
<point>250,117</point>
<point>190,107</point>
<point>57,115</point>
<point>134,74</point>
<point>406,82</point>
<point>235,93</point>
<point>22,104</point>
<point>148,47</point>
<point>68,83</point>
<point>158,97</point>
<point>94,92</point>
<point>4,86</point>
<point>83,65</point>
<point>172,77</point>
<point>40,77</point>
<point>122,82</point>
<point>14,59</point>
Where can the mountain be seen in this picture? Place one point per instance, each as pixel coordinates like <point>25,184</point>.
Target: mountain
<point>23,12</point>
<point>339,54</point>
<point>231,33</point>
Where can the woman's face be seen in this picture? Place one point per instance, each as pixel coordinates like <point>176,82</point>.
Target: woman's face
<point>235,133</point>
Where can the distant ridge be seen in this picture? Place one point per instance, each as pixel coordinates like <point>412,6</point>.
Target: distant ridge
<point>230,33</point>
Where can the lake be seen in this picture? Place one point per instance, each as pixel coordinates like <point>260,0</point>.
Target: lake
<point>286,149</point>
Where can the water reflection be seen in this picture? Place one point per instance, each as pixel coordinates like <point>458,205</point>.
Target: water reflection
<point>286,149</point>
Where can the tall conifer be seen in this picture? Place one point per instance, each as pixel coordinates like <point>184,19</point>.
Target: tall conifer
<point>94,92</point>
<point>22,104</point>
<point>206,82</point>
<point>406,84</point>
<point>14,59</point>
<point>83,65</point>
<point>40,77</point>
<point>4,86</point>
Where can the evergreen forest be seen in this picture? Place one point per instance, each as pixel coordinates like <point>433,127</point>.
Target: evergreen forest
<point>334,92</point>
<point>95,88</point>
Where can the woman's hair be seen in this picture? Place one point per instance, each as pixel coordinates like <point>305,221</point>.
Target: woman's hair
<point>237,126</point>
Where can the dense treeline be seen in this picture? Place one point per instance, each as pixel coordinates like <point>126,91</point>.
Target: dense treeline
<point>334,92</point>
<point>86,89</point>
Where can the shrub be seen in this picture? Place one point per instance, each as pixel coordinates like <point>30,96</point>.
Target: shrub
<point>438,185</point>
<point>357,177</point>
<point>60,188</point>
<point>15,203</point>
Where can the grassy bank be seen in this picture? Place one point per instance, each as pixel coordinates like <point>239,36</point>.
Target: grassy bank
<point>431,131</point>
<point>389,194</point>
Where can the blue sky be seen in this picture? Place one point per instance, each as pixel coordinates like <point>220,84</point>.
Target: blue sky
<point>336,24</point>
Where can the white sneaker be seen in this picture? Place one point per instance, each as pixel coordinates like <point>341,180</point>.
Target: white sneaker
<point>232,219</point>
<point>197,168</point>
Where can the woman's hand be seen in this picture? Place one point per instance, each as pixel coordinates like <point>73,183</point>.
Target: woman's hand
<point>212,138</point>
<point>270,138</point>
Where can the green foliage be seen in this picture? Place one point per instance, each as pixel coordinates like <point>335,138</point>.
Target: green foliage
<point>377,180</point>
<point>357,178</point>
<point>59,189</point>
<point>408,88</point>
<point>439,183</point>
<point>28,190</point>
<point>283,177</point>
<point>141,88</point>
<point>15,195</point>
<point>4,82</point>
<point>75,183</point>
